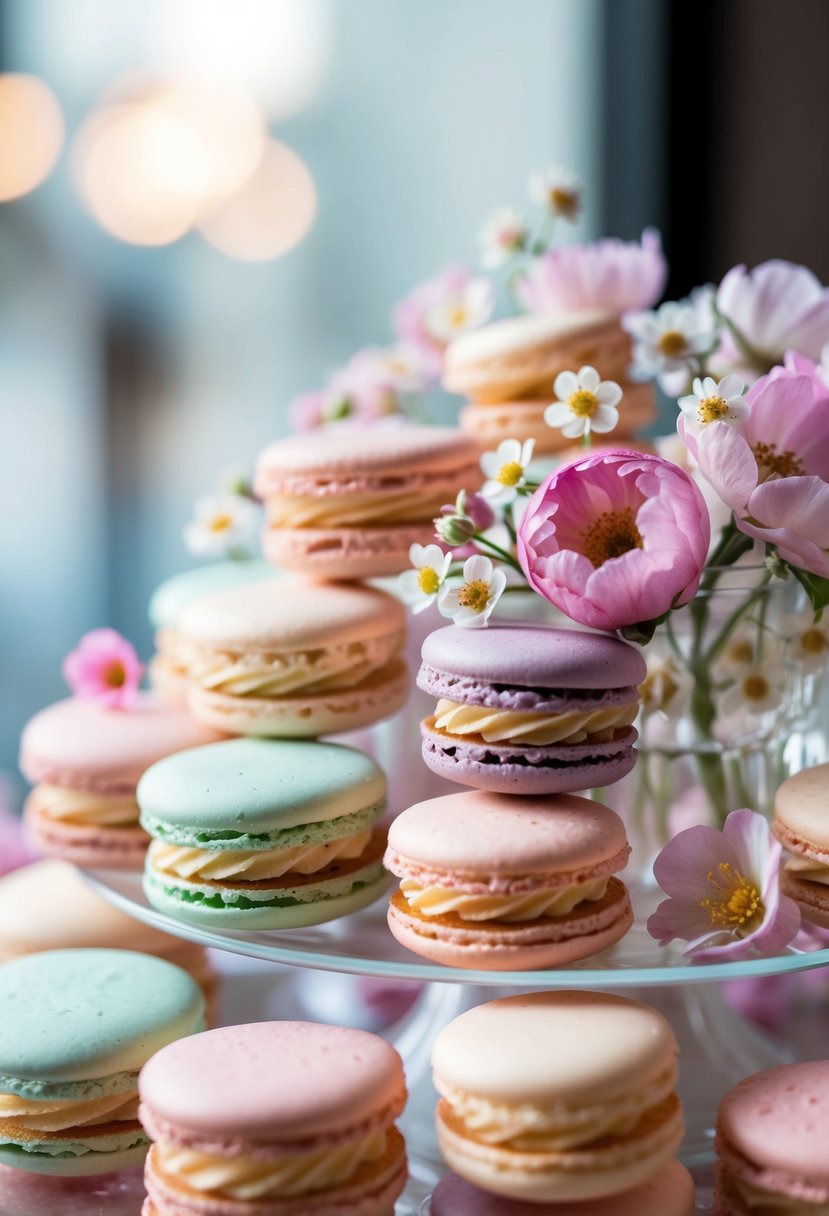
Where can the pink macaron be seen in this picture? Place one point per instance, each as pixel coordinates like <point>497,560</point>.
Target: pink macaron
<point>274,1119</point>
<point>670,1192</point>
<point>527,709</point>
<point>85,761</point>
<point>349,504</point>
<point>499,883</point>
<point>771,1143</point>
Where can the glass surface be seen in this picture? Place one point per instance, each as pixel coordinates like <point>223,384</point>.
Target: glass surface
<point>363,945</point>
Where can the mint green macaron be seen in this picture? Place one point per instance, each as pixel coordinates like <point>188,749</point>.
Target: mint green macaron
<point>263,834</point>
<point>76,1026</point>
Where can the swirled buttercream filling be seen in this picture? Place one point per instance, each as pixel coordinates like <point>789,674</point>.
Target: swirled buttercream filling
<point>527,905</point>
<point>298,1173</point>
<point>494,725</point>
<point>22,1115</point>
<point>558,1126</point>
<point>768,1203</point>
<point>86,807</point>
<point>186,862</point>
<point>357,510</point>
<point>808,869</point>
<point>278,675</point>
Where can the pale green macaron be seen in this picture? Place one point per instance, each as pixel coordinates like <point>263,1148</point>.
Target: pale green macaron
<point>76,1026</point>
<point>263,834</point>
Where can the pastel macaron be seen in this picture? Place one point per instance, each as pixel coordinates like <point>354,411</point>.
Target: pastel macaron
<point>670,1192</point>
<point>493,882</point>
<point>264,834</point>
<point>290,658</point>
<point>168,669</point>
<point>508,369</point>
<point>553,1097</point>
<point>771,1143</point>
<point>528,709</point>
<point>274,1119</point>
<point>85,761</point>
<point>349,504</point>
<point>48,906</point>
<point>77,1025</point>
<point>801,824</point>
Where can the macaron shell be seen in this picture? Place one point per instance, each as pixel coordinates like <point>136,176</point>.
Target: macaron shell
<point>171,597</point>
<point>86,1166</point>
<point>83,745</point>
<point>811,897</point>
<point>801,812</point>
<point>345,553</point>
<point>84,845</point>
<point>670,1192</point>
<point>529,946</point>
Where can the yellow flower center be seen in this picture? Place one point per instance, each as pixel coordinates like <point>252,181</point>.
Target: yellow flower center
<point>428,580</point>
<point>474,595</point>
<point>221,523</point>
<point>712,409</point>
<point>564,201</point>
<point>458,315</point>
<point>658,688</point>
<point>736,902</point>
<point>741,651</point>
<point>813,641</point>
<point>672,343</point>
<point>510,474</point>
<point>115,676</point>
<point>612,534</point>
<point>583,403</point>
<point>755,687</point>
<point>771,463</point>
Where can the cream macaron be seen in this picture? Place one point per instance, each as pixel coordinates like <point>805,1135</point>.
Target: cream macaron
<point>554,1097</point>
<point>290,658</point>
<point>801,824</point>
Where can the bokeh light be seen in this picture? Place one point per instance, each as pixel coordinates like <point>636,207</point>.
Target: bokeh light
<point>31,133</point>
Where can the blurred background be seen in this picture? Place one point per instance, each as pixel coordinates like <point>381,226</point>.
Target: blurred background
<point>207,205</point>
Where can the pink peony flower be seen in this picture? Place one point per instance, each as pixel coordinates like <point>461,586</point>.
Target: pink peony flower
<point>440,309</point>
<point>615,539</point>
<point>104,668</point>
<point>619,276</point>
<point>775,307</point>
<point>723,894</point>
<point>772,469</point>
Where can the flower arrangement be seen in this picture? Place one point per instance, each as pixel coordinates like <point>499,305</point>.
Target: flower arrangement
<point>225,523</point>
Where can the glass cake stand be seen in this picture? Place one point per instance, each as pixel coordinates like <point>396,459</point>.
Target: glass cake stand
<point>717,1047</point>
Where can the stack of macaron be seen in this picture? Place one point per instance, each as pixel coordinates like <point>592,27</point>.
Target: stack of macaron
<point>801,824</point>
<point>507,371</point>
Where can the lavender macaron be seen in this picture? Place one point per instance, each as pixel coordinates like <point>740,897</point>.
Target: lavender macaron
<point>527,709</point>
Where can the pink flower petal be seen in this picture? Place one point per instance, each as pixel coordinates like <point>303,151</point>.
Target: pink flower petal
<point>683,866</point>
<point>727,462</point>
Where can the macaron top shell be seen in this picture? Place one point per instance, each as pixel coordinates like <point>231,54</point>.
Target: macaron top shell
<point>778,1119</point>
<point>516,334</point>
<point>476,832</point>
<point>171,597</point>
<point>291,614</point>
<point>274,1081</point>
<point>76,1015</point>
<point>341,455</point>
<point>260,785</point>
<point>583,1047</point>
<point>83,745</point>
<point>535,656</point>
<point>801,805</point>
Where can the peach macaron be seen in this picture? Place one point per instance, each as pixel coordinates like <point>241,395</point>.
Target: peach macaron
<point>494,882</point>
<point>801,824</point>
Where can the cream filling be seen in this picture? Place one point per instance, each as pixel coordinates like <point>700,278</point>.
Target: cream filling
<point>289,1174</point>
<point>381,509</point>
<point>278,675</point>
<point>186,862</point>
<point>808,869</point>
<point>529,905</point>
<point>765,1202</point>
<point>494,725</point>
<point>89,809</point>
<point>54,1116</point>
<point>557,1127</point>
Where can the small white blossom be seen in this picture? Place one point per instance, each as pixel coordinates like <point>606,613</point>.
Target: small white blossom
<point>558,189</point>
<point>585,403</point>
<point>502,235</point>
<point>420,587</point>
<point>470,602</point>
<point>505,470</point>
<point>757,691</point>
<point>222,526</point>
<point>465,308</point>
<point>401,367</point>
<point>714,402</point>
<point>808,640</point>
<point>667,340</point>
<point>667,687</point>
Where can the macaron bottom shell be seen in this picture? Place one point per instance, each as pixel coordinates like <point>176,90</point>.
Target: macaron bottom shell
<point>79,1165</point>
<point>306,716</point>
<point>729,1202</point>
<point>521,946</point>
<point>345,553</point>
<point>811,897</point>
<point>85,845</point>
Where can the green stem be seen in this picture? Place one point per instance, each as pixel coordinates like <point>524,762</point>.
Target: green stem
<point>505,557</point>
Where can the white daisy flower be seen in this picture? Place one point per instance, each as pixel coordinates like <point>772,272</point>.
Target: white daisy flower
<point>460,310</point>
<point>222,526</point>
<point>747,648</point>
<point>667,339</point>
<point>585,403</point>
<point>808,640</point>
<point>502,235</point>
<point>420,587</point>
<point>558,189</point>
<point>757,691</point>
<point>402,367</point>
<point>505,469</point>
<point>667,687</point>
<point>470,603</point>
<point>711,401</point>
